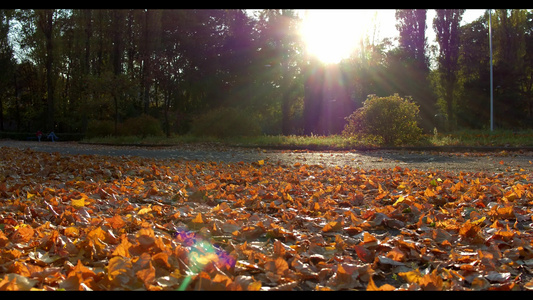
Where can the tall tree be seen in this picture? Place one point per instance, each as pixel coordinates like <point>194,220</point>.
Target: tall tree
<point>278,68</point>
<point>284,40</point>
<point>150,41</point>
<point>527,81</point>
<point>509,68</point>
<point>473,106</point>
<point>237,57</point>
<point>411,24</point>
<point>313,91</point>
<point>414,62</point>
<point>446,25</point>
<point>6,62</point>
<point>118,21</point>
<point>45,23</point>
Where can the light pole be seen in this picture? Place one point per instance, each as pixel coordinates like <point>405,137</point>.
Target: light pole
<point>491,90</point>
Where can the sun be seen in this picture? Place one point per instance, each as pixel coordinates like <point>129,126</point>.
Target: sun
<point>332,35</point>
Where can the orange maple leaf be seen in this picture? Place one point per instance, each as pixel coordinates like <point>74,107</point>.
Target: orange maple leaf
<point>372,286</point>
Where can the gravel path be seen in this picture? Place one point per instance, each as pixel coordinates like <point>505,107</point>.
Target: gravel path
<point>373,159</point>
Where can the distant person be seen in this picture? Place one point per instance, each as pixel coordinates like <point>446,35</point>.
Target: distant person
<point>39,135</point>
<point>52,136</point>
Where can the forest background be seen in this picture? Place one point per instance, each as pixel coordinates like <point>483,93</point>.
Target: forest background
<point>85,71</point>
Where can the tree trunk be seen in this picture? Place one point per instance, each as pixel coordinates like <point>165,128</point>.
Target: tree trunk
<point>45,20</point>
<point>118,18</point>
<point>312,99</point>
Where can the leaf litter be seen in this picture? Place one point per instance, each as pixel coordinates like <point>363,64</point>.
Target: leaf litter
<point>90,222</point>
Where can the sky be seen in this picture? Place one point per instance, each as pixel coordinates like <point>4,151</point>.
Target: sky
<point>388,21</point>
<point>332,34</point>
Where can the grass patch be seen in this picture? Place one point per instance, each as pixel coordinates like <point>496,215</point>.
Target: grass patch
<point>298,141</point>
<point>470,138</point>
<point>149,140</point>
<point>483,138</point>
<point>273,141</point>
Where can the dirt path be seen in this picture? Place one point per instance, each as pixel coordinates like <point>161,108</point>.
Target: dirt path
<point>374,159</point>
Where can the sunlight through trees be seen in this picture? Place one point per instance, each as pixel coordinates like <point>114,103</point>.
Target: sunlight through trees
<point>66,68</point>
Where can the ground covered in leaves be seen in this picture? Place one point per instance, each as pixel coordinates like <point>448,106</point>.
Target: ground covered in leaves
<point>89,222</point>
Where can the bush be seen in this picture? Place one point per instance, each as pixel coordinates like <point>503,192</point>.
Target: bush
<point>143,126</point>
<point>392,118</point>
<point>225,122</point>
<point>98,128</point>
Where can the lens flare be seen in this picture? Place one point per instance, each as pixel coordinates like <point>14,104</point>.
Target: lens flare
<point>201,255</point>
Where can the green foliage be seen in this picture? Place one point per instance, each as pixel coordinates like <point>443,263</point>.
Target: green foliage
<point>392,118</point>
<point>225,122</point>
<point>98,128</point>
<point>143,125</point>
<point>194,59</point>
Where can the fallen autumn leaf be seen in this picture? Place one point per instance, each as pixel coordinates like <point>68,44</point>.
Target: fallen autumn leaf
<point>163,224</point>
